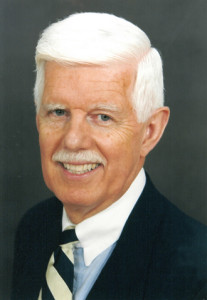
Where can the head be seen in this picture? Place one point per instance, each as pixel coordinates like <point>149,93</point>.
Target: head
<point>99,101</point>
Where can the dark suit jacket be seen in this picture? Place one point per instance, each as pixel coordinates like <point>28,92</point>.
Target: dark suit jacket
<point>161,253</point>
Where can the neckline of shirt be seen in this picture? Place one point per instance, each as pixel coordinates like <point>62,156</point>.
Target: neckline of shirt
<point>100,231</point>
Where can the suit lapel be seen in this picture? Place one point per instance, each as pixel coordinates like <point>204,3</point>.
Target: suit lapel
<point>126,271</point>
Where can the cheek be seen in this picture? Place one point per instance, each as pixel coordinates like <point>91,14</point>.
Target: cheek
<point>47,149</point>
<point>45,145</point>
<point>48,140</point>
<point>116,146</point>
<point>109,143</point>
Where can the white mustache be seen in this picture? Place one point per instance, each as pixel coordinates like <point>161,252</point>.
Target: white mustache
<point>65,156</point>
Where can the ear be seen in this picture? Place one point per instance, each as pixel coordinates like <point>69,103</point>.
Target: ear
<point>37,122</point>
<point>154,129</point>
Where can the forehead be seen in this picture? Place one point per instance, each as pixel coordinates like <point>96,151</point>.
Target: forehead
<point>84,79</point>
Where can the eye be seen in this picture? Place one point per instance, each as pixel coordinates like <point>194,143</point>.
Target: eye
<point>59,112</point>
<point>104,118</point>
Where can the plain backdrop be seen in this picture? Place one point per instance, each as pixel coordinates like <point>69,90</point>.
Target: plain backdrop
<point>178,164</point>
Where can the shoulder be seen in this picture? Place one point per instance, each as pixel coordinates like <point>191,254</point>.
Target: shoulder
<point>171,218</point>
<point>38,229</point>
<point>48,209</point>
<point>182,228</point>
<point>180,249</point>
<point>175,235</point>
<point>182,234</point>
<point>40,220</point>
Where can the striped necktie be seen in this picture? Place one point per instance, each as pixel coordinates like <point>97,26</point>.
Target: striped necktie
<point>58,282</point>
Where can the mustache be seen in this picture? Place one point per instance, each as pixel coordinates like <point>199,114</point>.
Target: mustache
<point>91,156</point>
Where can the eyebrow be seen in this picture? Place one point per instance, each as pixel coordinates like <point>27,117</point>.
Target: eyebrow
<point>97,106</point>
<point>103,106</point>
<point>53,106</point>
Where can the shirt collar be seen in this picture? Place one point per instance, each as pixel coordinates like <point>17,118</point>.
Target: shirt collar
<point>100,231</point>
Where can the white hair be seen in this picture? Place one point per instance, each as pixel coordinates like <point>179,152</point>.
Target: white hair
<point>101,39</point>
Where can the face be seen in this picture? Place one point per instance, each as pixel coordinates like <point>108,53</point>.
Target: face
<point>90,139</point>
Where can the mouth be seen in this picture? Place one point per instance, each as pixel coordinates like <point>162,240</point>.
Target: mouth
<point>80,169</point>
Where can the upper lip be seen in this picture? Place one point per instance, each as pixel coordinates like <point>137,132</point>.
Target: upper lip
<point>79,163</point>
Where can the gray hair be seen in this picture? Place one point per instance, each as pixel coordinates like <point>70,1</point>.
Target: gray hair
<point>101,39</point>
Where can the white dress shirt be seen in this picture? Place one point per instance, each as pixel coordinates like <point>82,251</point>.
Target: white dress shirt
<point>100,231</point>
<point>98,236</point>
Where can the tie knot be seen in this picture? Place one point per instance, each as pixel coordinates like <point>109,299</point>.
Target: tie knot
<point>68,236</point>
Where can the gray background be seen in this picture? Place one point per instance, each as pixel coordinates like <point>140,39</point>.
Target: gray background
<point>178,164</point>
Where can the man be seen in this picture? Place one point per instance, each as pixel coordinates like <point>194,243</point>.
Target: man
<point>99,100</point>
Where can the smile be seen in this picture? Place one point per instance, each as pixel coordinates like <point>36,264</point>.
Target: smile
<point>80,169</point>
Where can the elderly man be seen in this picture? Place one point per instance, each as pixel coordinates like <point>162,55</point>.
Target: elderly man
<point>108,233</point>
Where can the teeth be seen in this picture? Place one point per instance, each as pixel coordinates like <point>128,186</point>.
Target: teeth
<point>80,169</point>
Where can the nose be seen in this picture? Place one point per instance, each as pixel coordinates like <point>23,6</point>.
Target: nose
<point>77,134</point>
